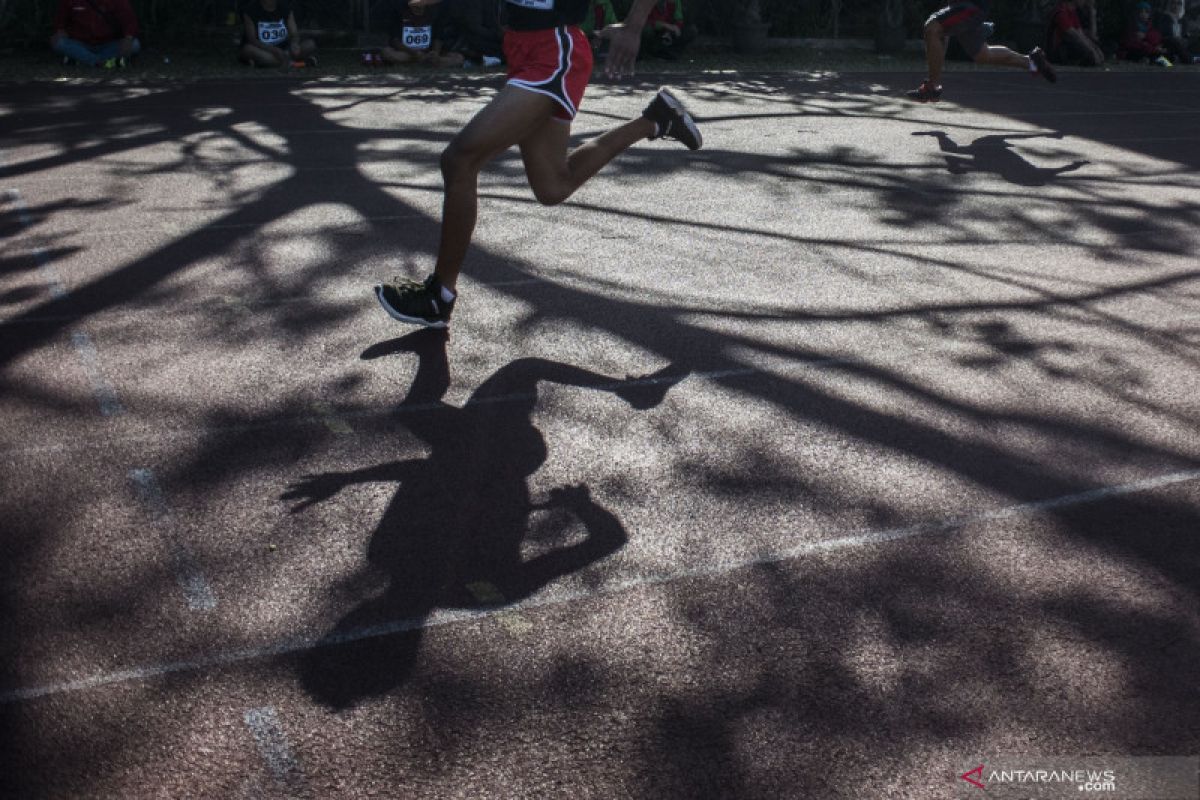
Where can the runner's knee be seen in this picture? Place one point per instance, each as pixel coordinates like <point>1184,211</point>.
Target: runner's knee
<point>458,162</point>
<point>550,194</point>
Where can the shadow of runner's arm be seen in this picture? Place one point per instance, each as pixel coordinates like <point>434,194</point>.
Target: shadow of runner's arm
<point>605,536</point>
<point>313,489</point>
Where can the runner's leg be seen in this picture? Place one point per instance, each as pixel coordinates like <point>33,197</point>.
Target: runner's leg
<point>935,52</point>
<point>554,176</point>
<point>508,119</point>
<point>1002,57</point>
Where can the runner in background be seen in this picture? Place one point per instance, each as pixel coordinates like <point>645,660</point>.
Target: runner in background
<point>965,22</point>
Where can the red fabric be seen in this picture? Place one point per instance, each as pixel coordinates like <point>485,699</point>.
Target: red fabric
<point>959,16</point>
<point>1149,45</point>
<point>662,12</point>
<point>545,62</point>
<point>1065,18</point>
<point>81,20</point>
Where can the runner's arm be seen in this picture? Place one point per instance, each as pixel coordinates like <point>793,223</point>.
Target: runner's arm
<point>625,38</point>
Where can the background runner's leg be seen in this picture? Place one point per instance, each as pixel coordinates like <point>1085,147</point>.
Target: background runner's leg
<point>1001,56</point>
<point>935,52</point>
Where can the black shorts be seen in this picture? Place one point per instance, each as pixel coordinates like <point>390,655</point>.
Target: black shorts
<point>963,21</point>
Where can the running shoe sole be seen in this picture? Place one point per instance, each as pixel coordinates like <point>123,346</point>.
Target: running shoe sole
<point>396,315</point>
<point>678,107</point>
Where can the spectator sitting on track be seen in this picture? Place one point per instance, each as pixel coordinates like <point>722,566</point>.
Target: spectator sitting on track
<point>419,35</point>
<point>1142,41</point>
<point>95,32</point>
<point>271,37</point>
<point>1072,35</point>
<point>665,34</point>
<point>1171,23</point>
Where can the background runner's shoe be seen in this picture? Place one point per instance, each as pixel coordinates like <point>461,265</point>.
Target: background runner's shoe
<point>673,120</point>
<point>418,303</point>
<point>1038,57</point>
<point>925,93</point>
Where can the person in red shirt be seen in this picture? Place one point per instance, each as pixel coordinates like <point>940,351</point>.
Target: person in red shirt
<point>1070,42</point>
<point>1142,41</point>
<point>665,34</point>
<point>95,32</point>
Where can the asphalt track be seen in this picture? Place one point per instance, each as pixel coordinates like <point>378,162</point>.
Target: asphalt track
<point>854,449</point>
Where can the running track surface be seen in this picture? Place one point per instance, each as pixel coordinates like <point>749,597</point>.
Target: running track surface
<point>852,451</point>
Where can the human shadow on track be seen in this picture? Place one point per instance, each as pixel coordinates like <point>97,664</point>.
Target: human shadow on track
<point>994,154</point>
<point>881,406</point>
<point>452,535</point>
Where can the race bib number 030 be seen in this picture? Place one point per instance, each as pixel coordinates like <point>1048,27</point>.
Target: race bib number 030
<point>418,38</point>
<point>537,5</point>
<point>272,32</point>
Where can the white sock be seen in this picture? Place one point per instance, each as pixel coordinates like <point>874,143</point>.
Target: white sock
<point>1032,66</point>
<point>447,295</point>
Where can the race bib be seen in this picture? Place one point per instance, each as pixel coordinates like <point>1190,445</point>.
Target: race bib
<point>272,32</point>
<point>417,37</point>
<point>536,5</point>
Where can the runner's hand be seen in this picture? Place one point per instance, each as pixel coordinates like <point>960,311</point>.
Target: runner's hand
<point>623,45</point>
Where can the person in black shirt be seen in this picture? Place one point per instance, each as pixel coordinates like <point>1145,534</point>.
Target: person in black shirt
<point>549,62</point>
<point>271,37</point>
<point>417,34</point>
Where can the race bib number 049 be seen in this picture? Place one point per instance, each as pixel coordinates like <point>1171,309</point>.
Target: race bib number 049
<point>418,38</point>
<point>272,32</point>
<point>537,5</point>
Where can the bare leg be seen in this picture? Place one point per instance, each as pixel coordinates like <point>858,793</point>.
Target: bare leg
<point>1002,57</point>
<point>396,55</point>
<point>263,56</point>
<point>518,116</point>
<point>502,123</point>
<point>554,176</point>
<point>935,52</point>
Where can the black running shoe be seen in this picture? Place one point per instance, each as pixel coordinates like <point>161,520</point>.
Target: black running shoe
<point>418,303</point>
<point>925,93</point>
<point>1038,57</point>
<point>673,120</point>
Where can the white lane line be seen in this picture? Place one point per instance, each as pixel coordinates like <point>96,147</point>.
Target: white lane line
<point>188,574</point>
<point>49,272</point>
<point>85,348</point>
<point>289,647</point>
<point>273,745</point>
<point>102,390</point>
